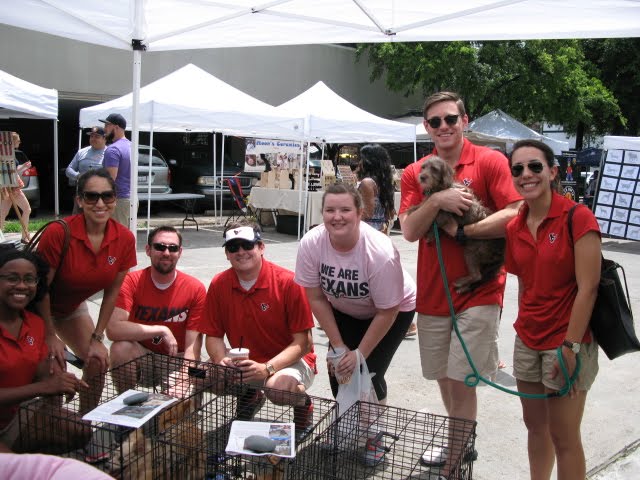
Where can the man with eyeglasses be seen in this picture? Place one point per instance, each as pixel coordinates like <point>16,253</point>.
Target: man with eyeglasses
<point>487,173</point>
<point>87,158</point>
<point>117,160</point>
<point>158,310</point>
<point>259,307</point>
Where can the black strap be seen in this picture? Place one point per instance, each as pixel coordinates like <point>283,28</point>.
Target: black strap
<point>35,240</point>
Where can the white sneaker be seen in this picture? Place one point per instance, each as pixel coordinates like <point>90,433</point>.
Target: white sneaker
<point>435,456</point>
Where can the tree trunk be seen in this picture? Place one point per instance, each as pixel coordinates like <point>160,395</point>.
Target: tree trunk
<point>579,135</point>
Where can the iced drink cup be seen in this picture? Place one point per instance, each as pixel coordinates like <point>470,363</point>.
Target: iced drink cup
<point>334,355</point>
<point>237,354</point>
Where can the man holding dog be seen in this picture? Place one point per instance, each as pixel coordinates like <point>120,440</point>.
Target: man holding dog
<point>259,307</point>
<point>487,173</point>
<point>158,310</point>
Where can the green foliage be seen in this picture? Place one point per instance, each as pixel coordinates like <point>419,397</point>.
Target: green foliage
<point>540,80</point>
<point>13,226</point>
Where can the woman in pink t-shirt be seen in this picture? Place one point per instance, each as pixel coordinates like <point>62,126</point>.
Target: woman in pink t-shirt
<point>558,274</point>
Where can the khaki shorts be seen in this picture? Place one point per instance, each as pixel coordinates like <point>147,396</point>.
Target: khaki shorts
<point>536,366</point>
<point>441,353</point>
<point>299,370</point>
<point>122,212</point>
<point>82,309</point>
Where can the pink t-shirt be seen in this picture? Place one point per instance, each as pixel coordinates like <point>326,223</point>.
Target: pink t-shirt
<point>46,467</point>
<point>359,282</point>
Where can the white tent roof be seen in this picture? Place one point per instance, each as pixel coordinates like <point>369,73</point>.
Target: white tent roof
<point>184,24</point>
<point>330,118</point>
<point>21,99</point>
<point>499,124</point>
<point>621,143</point>
<point>192,99</point>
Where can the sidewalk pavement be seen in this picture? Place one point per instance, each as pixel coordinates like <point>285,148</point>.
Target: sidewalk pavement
<point>611,424</point>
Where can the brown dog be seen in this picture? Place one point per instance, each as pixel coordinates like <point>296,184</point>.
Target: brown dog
<point>484,257</point>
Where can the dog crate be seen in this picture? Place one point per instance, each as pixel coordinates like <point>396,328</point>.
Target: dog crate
<point>122,452</point>
<point>195,447</point>
<point>382,442</point>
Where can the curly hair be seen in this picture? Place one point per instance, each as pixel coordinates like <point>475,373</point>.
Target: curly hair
<point>42,270</point>
<point>376,164</point>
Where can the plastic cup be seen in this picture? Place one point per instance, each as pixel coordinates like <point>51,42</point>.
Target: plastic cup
<point>334,355</point>
<point>237,354</point>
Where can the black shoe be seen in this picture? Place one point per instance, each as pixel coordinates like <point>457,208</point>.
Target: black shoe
<point>249,403</point>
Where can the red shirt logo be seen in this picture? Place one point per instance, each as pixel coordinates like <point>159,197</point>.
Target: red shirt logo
<point>30,340</point>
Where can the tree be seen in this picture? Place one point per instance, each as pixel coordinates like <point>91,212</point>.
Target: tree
<point>534,81</point>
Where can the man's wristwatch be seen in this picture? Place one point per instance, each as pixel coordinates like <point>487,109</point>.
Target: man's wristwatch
<point>460,236</point>
<point>270,370</point>
<point>573,346</point>
<point>98,337</point>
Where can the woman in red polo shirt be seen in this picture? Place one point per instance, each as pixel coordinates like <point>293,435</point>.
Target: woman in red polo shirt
<point>558,281</point>
<point>25,363</point>
<point>100,253</point>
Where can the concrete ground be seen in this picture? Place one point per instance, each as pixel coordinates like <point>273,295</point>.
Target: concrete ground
<point>611,425</point>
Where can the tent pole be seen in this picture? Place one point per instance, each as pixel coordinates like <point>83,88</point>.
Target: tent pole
<point>222,176</point>
<point>55,168</point>
<point>215,169</point>
<point>149,174</point>
<point>415,151</point>
<point>135,131</point>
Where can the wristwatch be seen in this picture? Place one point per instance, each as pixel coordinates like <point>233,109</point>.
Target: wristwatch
<point>460,236</point>
<point>270,369</point>
<point>98,337</point>
<point>573,346</point>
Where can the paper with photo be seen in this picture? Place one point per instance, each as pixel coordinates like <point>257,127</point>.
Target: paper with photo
<point>134,416</point>
<point>280,433</point>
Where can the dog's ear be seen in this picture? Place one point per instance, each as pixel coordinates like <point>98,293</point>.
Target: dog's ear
<point>447,175</point>
<point>435,174</point>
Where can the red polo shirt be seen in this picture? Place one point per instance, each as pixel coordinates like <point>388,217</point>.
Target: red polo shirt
<point>487,173</point>
<point>19,358</point>
<point>84,272</point>
<point>263,318</point>
<point>546,266</point>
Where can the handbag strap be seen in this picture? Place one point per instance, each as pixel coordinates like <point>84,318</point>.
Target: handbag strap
<point>612,265</point>
<point>35,240</point>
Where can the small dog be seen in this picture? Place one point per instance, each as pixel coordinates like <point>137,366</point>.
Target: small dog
<point>484,257</point>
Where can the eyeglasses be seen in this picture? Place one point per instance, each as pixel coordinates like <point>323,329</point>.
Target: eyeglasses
<point>235,246</point>
<point>14,279</point>
<point>161,247</point>
<point>535,167</point>
<point>435,122</point>
<point>92,197</point>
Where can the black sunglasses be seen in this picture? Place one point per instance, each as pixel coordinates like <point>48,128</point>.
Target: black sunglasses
<point>235,246</point>
<point>92,197</point>
<point>535,167</point>
<point>435,122</point>
<point>161,247</point>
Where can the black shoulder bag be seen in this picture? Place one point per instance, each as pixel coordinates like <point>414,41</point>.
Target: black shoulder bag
<point>611,318</point>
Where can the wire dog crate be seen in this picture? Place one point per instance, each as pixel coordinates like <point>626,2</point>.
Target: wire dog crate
<point>381,442</point>
<point>122,452</point>
<point>194,448</point>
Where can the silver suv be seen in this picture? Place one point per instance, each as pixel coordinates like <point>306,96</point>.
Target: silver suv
<point>160,174</point>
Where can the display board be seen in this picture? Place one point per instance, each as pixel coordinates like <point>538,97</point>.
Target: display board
<point>617,203</point>
<point>279,154</point>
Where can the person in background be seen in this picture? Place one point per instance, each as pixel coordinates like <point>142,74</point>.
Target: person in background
<point>26,365</point>
<point>553,310</point>
<point>100,253</point>
<point>117,161</point>
<point>377,190</point>
<point>87,158</point>
<point>486,172</point>
<point>258,306</point>
<point>159,309</point>
<point>590,191</point>
<point>15,195</point>
<point>357,289</point>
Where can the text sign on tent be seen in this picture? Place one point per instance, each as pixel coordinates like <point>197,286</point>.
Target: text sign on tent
<point>617,205</point>
<point>278,153</point>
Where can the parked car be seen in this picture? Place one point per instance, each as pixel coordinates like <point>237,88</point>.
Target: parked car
<point>31,187</point>
<point>160,173</point>
<point>195,175</point>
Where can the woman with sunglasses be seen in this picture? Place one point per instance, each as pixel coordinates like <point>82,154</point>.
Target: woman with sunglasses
<point>356,286</point>
<point>25,365</point>
<point>558,274</point>
<point>100,253</point>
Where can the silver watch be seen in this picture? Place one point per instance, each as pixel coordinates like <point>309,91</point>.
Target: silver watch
<point>574,346</point>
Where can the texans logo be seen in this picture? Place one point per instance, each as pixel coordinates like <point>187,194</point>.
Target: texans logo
<point>30,340</point>
<point>111,260</point>
<point>264,307</point>
<point>467,182</point>
<point>552,237</point>
<point>156,340</point>
<point>235,232</point>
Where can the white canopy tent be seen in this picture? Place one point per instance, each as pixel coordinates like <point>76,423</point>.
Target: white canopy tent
<point>21,99</point>
<point>186,24</point>
<point>499,124</point>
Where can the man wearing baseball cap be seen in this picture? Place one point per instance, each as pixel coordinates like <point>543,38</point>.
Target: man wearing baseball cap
<point>87,158</point>
<point>117,160</point>
<point>259,307</point>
